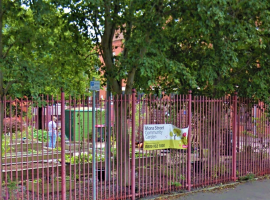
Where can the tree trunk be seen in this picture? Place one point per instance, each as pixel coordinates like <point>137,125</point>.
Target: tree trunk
<point>122,143</point>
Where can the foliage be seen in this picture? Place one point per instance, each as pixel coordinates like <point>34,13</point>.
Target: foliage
<point>30,113</point>
<point>11,185</point>
<point>260,124</point>
<point>6,145</point>
<point>247,177</point>
<point>31,133</point>
<point>40,135</point>
<point>140,22</point>
<point>13,124</point>
<point>57,149</point>
<point>32,151</point>
<point>141,155</point>
<point>212,47</point>
<point>139,118</point>
<point>25,134</point>
<point>223,44</point>
<point>218,170</point>
<point>83,158</point>
<point>37,181</point>
<point>38,55</point>
<point>176,184</point>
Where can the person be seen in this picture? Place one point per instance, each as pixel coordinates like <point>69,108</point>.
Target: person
<point>52,134</point>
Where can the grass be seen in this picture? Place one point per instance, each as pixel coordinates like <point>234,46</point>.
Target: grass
<point>247,177</point>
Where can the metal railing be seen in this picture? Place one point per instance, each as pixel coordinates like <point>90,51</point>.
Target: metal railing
<point>228,140</point>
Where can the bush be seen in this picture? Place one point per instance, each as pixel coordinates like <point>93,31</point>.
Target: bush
<point>83,158</point>
<point>31,133</point>
<point>5,145</point>
<point>40,135</point>
<point>13,124</point>
<point>248,177</point>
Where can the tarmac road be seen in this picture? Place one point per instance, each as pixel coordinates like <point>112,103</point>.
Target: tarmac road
<point>253,190</point>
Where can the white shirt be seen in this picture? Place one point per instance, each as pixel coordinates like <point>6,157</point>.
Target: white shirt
<point>52,127</point>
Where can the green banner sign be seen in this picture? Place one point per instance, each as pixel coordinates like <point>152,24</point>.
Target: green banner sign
<point>164,136</point>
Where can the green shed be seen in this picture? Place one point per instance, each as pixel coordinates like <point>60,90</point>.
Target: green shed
<point>78,122</point>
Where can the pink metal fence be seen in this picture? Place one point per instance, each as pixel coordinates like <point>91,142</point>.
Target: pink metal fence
<point>228,140</point>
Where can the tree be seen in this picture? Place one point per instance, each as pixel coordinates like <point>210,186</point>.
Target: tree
<point>37,52</point>
<point>141,23</point>
<point>212,47</point>
<point>41,52</point>
<point>224,44</point>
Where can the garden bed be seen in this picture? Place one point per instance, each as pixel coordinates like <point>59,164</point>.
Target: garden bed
<point>140,161</point>
<point>24,141</point>
<point>150,171</point>
<point>240,156</point>
<point>26,157</point>
<point>44,187</point>
<point>78,146</point>
<point>23,147</point>
<point>83,168</point>
<point>57,150</point>
<point>29,170</point>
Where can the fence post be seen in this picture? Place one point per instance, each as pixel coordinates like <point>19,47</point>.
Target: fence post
<point>94,145</point>
<point>63,166</point>
<point>234,135</point>
<point>133,144</point>
<point>189,141</point>
<point>108,134</point>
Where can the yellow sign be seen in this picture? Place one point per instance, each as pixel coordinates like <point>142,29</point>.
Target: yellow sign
<point>164,136</point>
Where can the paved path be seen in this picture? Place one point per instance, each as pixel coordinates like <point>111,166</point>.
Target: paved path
<point>254,190</point>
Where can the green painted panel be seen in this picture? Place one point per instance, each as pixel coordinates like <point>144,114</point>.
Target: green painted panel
<point>78,123</point>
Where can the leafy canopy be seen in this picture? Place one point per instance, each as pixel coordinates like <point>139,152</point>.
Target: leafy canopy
<point>39,52</point>
<point>225,46</point>
<point>212,47</point>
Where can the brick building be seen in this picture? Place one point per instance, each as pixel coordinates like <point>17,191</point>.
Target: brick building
<point>117,49</point>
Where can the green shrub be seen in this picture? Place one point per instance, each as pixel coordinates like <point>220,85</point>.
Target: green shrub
<point>40,135</point>
<point>248,177</point>
<point>83,158</point>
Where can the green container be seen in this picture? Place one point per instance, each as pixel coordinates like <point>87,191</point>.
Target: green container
<point>78,122</point>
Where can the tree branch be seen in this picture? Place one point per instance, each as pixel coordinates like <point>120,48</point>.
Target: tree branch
<point>89,55</point>
<point>9,84</point>
<point>131,74</point>
<point>10,46</point>
<point>97,32</point>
